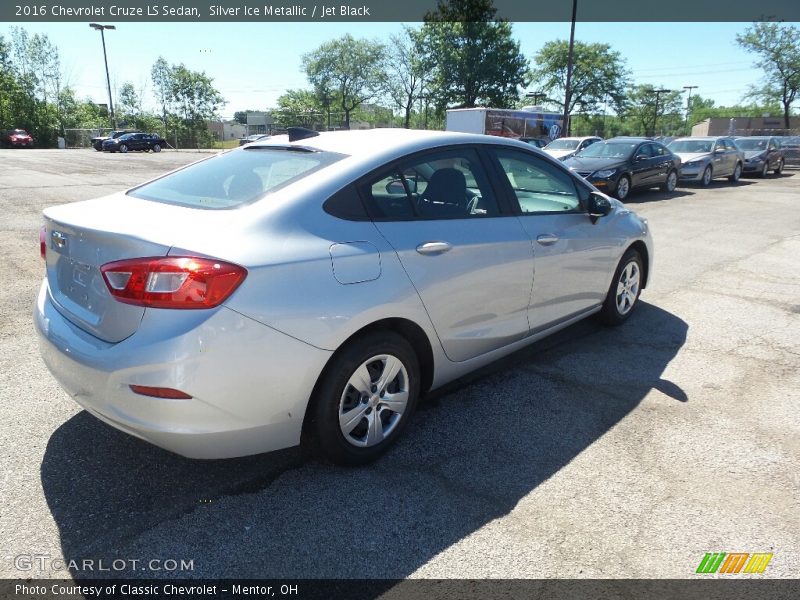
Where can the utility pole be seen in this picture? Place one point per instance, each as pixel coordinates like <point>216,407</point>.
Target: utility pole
<point>658,92</point>
<point>567,89</point>
<point>101,29</point>
<point>688,88</point>
<point>534,96</point>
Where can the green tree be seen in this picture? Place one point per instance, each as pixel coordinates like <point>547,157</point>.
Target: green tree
<point>161,74</point>
<point>471,57</point>
<point>777,46</point>
<point>650,113</point>
<point>347,70</point>
<point>196,101</point>
<point>301,108</point>
<point>405,72</point>
<point>599,76</point>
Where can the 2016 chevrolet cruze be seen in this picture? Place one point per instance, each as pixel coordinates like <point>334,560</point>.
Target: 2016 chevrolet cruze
<point>318,284</point>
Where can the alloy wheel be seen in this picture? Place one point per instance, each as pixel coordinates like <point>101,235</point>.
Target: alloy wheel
<point>623,187</point>
<point>628,287</point>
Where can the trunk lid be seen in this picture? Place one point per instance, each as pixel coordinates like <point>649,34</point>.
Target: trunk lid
<point>83,236</point>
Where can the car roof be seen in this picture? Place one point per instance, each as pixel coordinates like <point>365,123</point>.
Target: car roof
<point>626,138</point>
<point>368,142</point>
<point>704,137</point>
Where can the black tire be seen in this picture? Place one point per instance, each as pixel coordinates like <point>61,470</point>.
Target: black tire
<point>156,147</point>
<point>333,392</point>
<point>123,148</point>
<point>779,168</point>
<point>708,176</point>
<point>737,173</point>
<point>98,148</point>
<point>671,182</point>
<point>623,190</point>
<point>765,169</point>
<point>611,313</point>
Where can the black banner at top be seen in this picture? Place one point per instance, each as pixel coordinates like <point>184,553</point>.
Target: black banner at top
<point>406,11</point>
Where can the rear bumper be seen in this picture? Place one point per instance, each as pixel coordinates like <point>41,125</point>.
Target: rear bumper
<point>249,384</point>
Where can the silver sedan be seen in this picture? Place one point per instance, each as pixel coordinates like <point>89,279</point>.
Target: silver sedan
<point>318,284</point>
<point>706,158</point>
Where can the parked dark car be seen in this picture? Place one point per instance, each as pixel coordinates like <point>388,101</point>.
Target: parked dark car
<point>16,138</point>
<point>791,150</point>
<point>762,154</point>
<point>618,165</point>
<point>97,142</point>
<point>135,142</point>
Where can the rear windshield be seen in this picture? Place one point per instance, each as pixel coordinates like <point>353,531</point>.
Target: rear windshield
<point>235,178</point>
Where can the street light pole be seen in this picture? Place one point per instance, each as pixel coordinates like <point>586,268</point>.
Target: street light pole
<point>101,29</point>
<point>565,125</point>
<point>655,112</point>
<point>689,88</point>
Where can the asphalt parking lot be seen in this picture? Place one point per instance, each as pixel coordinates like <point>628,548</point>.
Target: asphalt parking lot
<point>627,452</point>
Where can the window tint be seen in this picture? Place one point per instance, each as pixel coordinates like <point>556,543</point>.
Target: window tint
<point>234,178</point>
<point>538,186</point>
<point>442,185</point>
<point>645,150</point>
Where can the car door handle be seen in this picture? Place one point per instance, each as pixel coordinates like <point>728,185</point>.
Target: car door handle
<point>547,239</point>
<point>433,248</point>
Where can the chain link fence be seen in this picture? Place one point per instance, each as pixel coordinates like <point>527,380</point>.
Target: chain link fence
<point>82,138</point>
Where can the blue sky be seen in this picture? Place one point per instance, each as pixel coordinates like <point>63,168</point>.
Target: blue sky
<point>253,63</point>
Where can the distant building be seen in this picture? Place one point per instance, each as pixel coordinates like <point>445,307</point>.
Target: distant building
<point>746,126</point>
<point>227,130</point>
<point>259,122</point>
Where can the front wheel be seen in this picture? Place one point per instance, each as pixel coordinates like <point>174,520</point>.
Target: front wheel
<point>123,148</point>
<point>365,398</point>
<point>707,177</point>
<point>625,289</point>
<point>671,183</point>
<point>764,169</point>
<point>156,147</point>
<point>779,168</point>
<point>737,173</point>
<point>623,188</point>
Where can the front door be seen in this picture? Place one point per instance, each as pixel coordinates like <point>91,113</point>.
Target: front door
<point>571,254</point>
<point>470,261</point>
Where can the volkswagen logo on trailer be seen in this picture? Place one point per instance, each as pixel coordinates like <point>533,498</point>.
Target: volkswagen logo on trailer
<point>555,131</point>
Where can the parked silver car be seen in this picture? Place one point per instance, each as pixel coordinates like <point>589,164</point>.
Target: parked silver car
<point>566,147</point>
<point>319,285</point>
<point>706,158</point>
<point>762,154</point>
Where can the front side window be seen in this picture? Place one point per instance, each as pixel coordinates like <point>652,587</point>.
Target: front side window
<point>235,178</point>
<point>538,186</point>
<point>441,185</point>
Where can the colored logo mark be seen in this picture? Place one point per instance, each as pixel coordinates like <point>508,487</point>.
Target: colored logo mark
<point>731,563</point>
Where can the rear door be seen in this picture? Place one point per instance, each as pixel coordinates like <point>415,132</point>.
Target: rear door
<point>469,258</point>
<point>643,167</point>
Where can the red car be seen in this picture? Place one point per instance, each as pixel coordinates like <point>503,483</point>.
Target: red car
<point>16,138</point>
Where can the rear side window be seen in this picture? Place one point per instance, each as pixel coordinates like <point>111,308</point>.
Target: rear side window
<point>235,178</point>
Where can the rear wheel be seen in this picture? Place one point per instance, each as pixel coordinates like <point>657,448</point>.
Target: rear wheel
<point>737,173</point>
<point>365,399</point>
<point>671,183</point>
<point>625,289</point>
<point>779,168</point>
<point>623,188</point>
<point>708,175</point>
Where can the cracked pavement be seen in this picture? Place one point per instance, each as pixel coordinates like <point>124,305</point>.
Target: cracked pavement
<point>626,452</point>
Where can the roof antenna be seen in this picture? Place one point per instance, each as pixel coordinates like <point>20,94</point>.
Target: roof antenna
<point>300,133</point>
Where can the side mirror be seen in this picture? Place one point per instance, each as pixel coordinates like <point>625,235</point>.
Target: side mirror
<point>599,206</point>
<point>718,150</point>
<point>396,187</point>
<point>639,157</point>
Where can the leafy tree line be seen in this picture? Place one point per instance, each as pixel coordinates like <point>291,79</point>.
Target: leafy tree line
<point>35,96</point>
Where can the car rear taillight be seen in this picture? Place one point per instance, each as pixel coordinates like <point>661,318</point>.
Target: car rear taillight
<point>43,241</point>
<point>172,281</point>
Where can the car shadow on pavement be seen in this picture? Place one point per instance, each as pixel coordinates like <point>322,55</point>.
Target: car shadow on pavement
<point>472,452</point>
<point>642,196</point>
